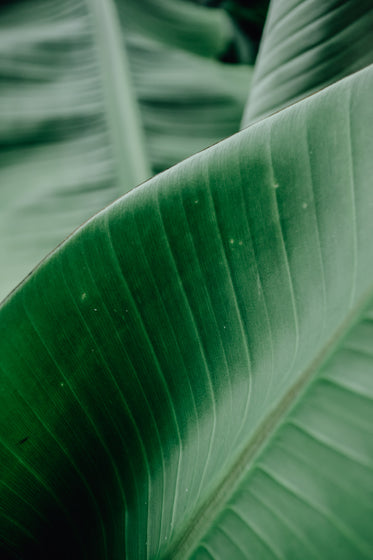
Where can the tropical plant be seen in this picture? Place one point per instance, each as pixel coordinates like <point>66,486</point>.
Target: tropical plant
<point>188,375</point>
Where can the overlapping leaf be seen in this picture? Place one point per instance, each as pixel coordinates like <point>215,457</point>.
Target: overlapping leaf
<point>306,46</point>
<point>66,112</point>
<point>208,388</point>
<point>72,134</point>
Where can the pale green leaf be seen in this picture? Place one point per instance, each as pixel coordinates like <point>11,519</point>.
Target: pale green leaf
<point>187,102</point>
<point>190,374</point>
<point>179,23</point>
<point>70,136</point>
<point>88,110</point>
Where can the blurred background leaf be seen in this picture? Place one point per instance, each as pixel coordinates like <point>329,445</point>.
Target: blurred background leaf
<point>189,375</point>
<point>95,98</point>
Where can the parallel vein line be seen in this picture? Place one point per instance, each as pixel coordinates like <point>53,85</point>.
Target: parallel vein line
<point>282,519</point>
<point>265,432</point>
<point>326,442</point>
<point>231,539</point>
<point>236,305</point>
<point>255,531</point>
<point>33,324</point>
<point>23,499</point>
<point>313,468</point>
<point>318,234</point>
<point>119,390</point>
<point>257,269</point>
<point>350,387</point>
<point>287,264</point>
<point>208,372</point>
<point>186,302</point>
<point>353,204</point>
<point>140,322</point>
<point>165,384</point>
<point>326,513</point>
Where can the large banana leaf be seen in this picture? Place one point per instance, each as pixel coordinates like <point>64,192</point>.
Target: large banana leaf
<point>79,92</point>
<point>181,24</point>
<point>69,129</point>
<point>187,102</point>
<point>306,45</point>
<point>190,374</point>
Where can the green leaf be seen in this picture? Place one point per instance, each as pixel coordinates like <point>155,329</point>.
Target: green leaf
<point>190,373</point>
<point>306,46</point>
<point>70,136</point>
<point>80,89</point>
<point>180,23</point>
<point>187,102</point>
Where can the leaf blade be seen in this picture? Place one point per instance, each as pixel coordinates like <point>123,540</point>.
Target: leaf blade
<point>306,47</point>
<point>61,143</point>
<point>160,283</point>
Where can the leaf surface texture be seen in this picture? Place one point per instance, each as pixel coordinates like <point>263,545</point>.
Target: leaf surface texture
<point>307,45</point>
<point>206,389</point>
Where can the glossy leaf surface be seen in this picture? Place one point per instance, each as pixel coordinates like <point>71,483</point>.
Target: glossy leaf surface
<point>206,388</point>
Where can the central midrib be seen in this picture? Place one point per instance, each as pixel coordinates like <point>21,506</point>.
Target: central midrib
<point>122,111</point>
<point>186,542</point>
